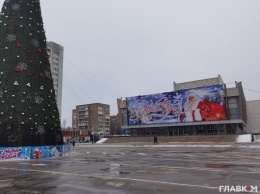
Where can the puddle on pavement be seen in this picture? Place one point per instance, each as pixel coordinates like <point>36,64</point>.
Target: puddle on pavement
<point>39,164</point>
<point>123,172</point>
<point>115,169</point>
<point>218,165</point>
<point>14,169</point>
<point>116,184</point>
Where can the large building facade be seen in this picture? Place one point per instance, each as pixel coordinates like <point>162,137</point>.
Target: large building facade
<point>56,53</point>
<point>253,116</point>
<point>201,107</point>
<point>91,119</point>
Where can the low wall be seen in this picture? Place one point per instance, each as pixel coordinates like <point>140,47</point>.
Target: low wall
<point>33,152</point>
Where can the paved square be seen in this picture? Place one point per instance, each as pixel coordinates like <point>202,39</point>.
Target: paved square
<point>178,168</point>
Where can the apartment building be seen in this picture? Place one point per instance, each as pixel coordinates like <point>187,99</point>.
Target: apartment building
<point>91,119</point>
<point>56,53</point>
<point>115,125</point>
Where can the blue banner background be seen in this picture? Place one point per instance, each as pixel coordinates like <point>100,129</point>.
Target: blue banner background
<point>174,106</point>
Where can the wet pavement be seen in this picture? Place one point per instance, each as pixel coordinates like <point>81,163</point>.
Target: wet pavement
<point>138,169</point>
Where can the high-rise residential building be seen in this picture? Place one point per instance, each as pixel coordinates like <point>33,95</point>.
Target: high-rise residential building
<point>91,119</point>
<point>56,53</point>
<point>115,125</point>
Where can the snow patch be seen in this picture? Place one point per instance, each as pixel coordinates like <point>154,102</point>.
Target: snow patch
<point>102,140</point>
<point>244,138</point>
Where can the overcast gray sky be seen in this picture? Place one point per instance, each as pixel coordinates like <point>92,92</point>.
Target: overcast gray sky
<point>123,48</point>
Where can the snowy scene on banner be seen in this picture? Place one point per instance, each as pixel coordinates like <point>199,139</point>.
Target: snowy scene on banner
<point>198,104</point>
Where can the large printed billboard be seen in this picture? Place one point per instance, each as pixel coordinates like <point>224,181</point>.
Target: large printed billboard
<point>198,104</point>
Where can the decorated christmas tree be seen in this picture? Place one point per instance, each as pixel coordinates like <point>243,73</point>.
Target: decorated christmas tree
<point>28,111</point>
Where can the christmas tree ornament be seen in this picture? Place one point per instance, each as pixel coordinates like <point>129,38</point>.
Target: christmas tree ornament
<point>18,45</point>
<point>15,7</point>
<point>17,69</point>
<point>22,66</point>
<point>11,37</point>
<point>35,42</point>
<point>12,138</point>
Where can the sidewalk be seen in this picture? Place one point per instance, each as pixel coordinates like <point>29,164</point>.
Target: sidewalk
<point>174,144</point>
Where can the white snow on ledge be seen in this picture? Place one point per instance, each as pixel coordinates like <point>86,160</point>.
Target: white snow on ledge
<point>240,139</point>
<point>246,138</point>
<point>102,140</point>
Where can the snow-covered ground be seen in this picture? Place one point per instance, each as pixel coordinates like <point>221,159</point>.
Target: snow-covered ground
<point>240,139</point>
<point>246,138</point>
<point>102,140</point>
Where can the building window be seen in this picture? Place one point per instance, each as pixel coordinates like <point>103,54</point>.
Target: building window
<point>233,108</point>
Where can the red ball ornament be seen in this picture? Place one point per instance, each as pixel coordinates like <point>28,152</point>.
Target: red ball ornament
<point>31,61</point>
<point>51,79</point>
<point>28,51</point>
<point>41,74</point>
<point>39,50</point>
<point>10,28</point>
<point>18,45</point>
<point>17,69</point>
<point>29,74</point>
<point>48,56</point>
<point>12,20</point>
